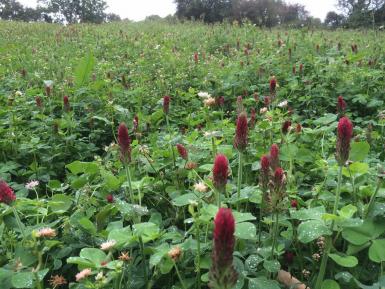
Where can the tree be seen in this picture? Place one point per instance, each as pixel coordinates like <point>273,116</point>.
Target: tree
<point>334,19</point>
<point>75,11</point>
<point>362,12</point>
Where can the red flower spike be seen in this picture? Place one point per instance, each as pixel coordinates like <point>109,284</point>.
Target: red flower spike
<point>66,103</point>
<point>285,126</point>
<point>341,104</point>
<point>135,123</point>
<point>274,156</point>
<point>7,195</point>
<point>240,140</point>
<point>344,135</point>
<point>301,68</point>
<point>267,100</point>
<point>196,58</point>
<point>124,143</point>
<point>273,85</point>
<point>294,203</point>
<point>222,273</point>
<point>265,169</point>
<point>279,176</point>
<point>220,171</point>
<point>166,104</point>
<point>38,101</point>
<point>294,70</point>
<point>182,151</point>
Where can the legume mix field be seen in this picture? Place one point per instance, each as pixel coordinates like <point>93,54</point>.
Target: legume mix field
<point>183,155</point>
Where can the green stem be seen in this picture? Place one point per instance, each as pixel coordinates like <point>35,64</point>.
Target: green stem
<point>260,220</point>
<point>19,224</point>
<point>275,234</point>
<point>128,176</point>
<point>239,178</point>
<point>144,260</point>
<point>329,244</point>
<point>179,276</point>
<point>372,198</point>
<point>171,148</point>
<point>214,147</point>
<point>198,252</point>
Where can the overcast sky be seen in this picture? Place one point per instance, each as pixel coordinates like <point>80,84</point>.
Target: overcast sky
<point>139,9</point>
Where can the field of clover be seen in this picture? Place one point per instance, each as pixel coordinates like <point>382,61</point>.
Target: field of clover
<point>182,155</point>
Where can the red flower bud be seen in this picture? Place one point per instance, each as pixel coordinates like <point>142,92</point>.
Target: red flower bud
<point>110,198</point>
<point>298,128</point>
<point>220,101</point>
<point>267,100</point>
<point>341,104</point>
<point>7,195</point>
<point>222,273</point>
<point>285,126</point>
<point>301,68</point>
<point>196,58</point>
<point>294,203</point>
<point>166,104</point>
<point>279,176</point>
<point>289,257</point>
<point>294,70</point>
<point>124,143</point>
<point>344,135</point>
<point>240,140</point>
<point>220,171</point>
<point>182,151</point>
<point>274,156</point>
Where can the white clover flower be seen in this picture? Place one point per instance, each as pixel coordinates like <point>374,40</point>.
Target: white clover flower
<point>45,233</point>
<point>263,110</point>
<point>200,187</point>
<point>32,184</point>
<point>204,94</point>
<point>99,276</point>
<point>18,93</point>
<point>108,245</point>
<point>282,103</point>
<point>48,83</point>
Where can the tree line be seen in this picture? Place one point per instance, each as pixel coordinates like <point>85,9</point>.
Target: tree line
<point>263,13</point>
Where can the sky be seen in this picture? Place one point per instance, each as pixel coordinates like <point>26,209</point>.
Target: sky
<point>138,9</point>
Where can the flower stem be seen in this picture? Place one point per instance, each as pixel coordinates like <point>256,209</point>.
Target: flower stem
<point>198,254</point>
<point>144,260</point>
<point>179,276</point>
<point>171,148</point>
<point>372,198</point>
<point>275,234</point>
<point>239,178</point>
<point>329,244</point>
<point>19,224</point>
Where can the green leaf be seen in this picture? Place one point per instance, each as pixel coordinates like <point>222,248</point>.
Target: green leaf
<point>344,261</point>
<point>347,211</point>
<point>96,256</point>
<point>185,200</point>
<point>242,217</point>
<point>272,266</point>
<point>87,225</point>
<point>308,214</point>
<point>84,69</point>
<point>369,230</point>
<point>326,119</point>
<point>330,284</point>
<point>246,231</point>
<point>78,167</point>
<point>60,203</point>
<point>263,283</point>
<point>376,251</point>
<point>356,169</point>
<point>311,230</point>
<point>27,279</point>
<point>288,152</point>
<point>148,231</point>
<point>110,181</point>
<point>359,151</point>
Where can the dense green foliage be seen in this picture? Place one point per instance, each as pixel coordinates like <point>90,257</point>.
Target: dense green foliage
<point>153,207</point>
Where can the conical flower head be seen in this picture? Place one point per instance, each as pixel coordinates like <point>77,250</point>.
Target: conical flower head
<point>240,140</point>
<point>253,116</point>
<point>344,135</point>
<point>274,156</point>
<point>220,172</point>
<point>166,104</point>
<point>182,151</point>
<point>285,126</point>
<point>124,142</point>
<point>66,103</point>
<point>222,273</point>
<point>7,195</point>
<point>273,85</point>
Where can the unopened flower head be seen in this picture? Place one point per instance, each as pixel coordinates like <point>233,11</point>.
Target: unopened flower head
<point>274,156</point>
<point>166,104</point>
<point>220,171</point>
<point>182,151</point>
<point>45,233</point>
<point>124,142</point>
<point>83,274</point>
<point>344,135</point>
<point>241,132</point>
